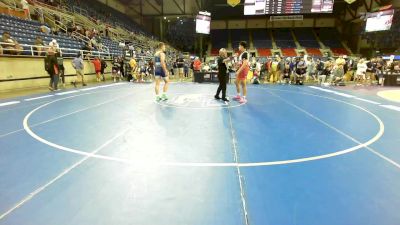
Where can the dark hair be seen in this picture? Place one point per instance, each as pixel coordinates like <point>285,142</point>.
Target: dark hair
<point>243,44</point>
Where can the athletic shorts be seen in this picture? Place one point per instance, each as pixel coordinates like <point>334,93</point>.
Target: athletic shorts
<point>242,76</point>
<point>98,71</point>
<point>159,72</point>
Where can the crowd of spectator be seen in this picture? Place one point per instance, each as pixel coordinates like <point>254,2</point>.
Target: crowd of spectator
<point>328,71</point>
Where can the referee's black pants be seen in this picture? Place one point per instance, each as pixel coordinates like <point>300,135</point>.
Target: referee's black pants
<point>223,80</point>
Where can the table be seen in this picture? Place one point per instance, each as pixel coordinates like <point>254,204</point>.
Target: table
<point>391,78</point>
<point>201,77</point>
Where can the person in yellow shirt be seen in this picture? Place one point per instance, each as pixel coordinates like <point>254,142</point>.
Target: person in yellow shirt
<point>133,65</point>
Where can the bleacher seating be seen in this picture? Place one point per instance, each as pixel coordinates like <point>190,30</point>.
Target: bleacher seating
<point>219,39</point>
<point>283,38</point>
<point>314,51</point>
<point>288,52</point>
<point>113,46</point>
<point>339,51</point>
<point>329,37</point>
<point>105,13</point>
<point>26,31</point>
<point>306,38</point>
<point>214,51</point>
<point>261,39</point>
<point>238,35</point>
<point>264,52</point>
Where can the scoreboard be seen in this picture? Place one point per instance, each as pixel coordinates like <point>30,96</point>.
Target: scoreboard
<point>263,7</point>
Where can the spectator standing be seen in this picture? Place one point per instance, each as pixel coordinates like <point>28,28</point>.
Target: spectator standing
<point>186,69</point>
<point>103,67</point>
<point>78,65</point>
<point>97,68</point>
<point>311,69</point>
<point>116,71</point>
<point>275,71</point>
<point>133,65</point>
<point>51,67</point>
<point>121,67</point>
<point>180,64</point>
<point>369,75</point>
<point>61,69</point>
<point>151,69</point>
<point>54,45</point>
<point>197,65</point>
<point>281,68</point>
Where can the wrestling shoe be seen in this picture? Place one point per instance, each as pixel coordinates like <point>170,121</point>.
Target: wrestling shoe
<point>237,98</point>
<point>242,101</point>
<point>164,97</point>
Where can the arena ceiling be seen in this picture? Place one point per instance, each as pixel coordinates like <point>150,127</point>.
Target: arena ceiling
<point>164,8</point>
<point>219,8</point>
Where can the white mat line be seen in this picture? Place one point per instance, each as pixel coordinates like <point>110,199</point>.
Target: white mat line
<point>9,103</point>
<point>345,95</point>
<point>67,92</point>
<point>59,176</point>
<point>41,97</point>
<point>392,107</point>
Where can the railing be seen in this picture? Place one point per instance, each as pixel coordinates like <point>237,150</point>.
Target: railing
<point>48,16</point>
<point>80,37</point>
<point>54,11</point>
<point>77,9</point>
<point>87,40</point>
<point>64,52</point>
<point>10,3</point>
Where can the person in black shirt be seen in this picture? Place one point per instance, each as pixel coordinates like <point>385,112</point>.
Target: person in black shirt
<point>180,63</point>
<point>222,74</point>
<point>103,67</point>
<point>370,71</point>
<point>51,67</point>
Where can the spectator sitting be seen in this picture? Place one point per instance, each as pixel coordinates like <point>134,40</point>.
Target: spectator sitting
<point>55,30</point>
<point>39,45</point>
<point>45,29</point>
<point>9,45</point>
<point>337,74</point>
<point>71,27</point>
<point>300,72</point>
<point>286,74</point>
<point>360,72</point>
<point>206,68</point>
<point>54,45</point>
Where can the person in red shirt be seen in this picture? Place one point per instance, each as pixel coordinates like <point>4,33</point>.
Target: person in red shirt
<point>241,73</point>
<point>97,67</point>
<point>197,65</point>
